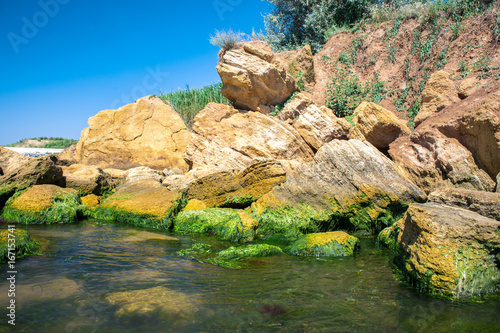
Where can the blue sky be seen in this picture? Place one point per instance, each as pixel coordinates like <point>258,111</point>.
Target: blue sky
<point>63,61</point>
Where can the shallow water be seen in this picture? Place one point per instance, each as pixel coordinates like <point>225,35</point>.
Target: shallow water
<point>84,280</point>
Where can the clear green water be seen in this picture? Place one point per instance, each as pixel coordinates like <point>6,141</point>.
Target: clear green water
<point>68,290</point>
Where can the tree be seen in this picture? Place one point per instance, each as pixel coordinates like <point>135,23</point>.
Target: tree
<point>295,23</point>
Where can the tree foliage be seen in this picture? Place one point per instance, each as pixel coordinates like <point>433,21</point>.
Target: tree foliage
<point>294,23</point>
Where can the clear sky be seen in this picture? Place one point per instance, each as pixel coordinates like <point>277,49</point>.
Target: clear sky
<point>63,61</point>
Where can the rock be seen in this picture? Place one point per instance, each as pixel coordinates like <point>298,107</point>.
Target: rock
<point>448,250</point>
<point>439,92</point>
<point>140,173</point>
<point>298,61</point>
<point>146,133</point>
<point>350,184</point>
<point>467,87</point>
<point>253,80</point>
<point>170,172</point>
<point>144,202</point>
<point>237,188</point>
<point>86,179</point>
<point>483,203</point>
<point>44,204</point>
<point>195,204</point>
<point>234,257</point>
<point>325,244</point>
<point>25,245</point>
<point>158,302</point>
<point>377,125</point>
<point>118,176</point>
<point>475,123</point>
<point>498,182</point>
<point>228,224</point>
<point>431,160</point>
<point>313,124</point>
<point>226,137</point>
<point>11,160</point>
<point>92,201</point>
<point>37,171</point>
<point>68,155</point>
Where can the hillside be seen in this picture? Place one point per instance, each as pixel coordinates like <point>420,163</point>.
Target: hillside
<point>390,62</point>
<point>44,142</point>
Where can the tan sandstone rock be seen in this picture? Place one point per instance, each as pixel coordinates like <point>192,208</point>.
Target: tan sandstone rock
<point>481,202</point>
<point>146,133</point>
<point>439,92</point>
<point>11,160</point>
<point>431,160</point>
<point>85,178</point>
<point>314,125</point>
<point>252,79</point>
<point>226,137</point>
<point>298,61</point>
<point>377,125</point>
<point>467,87</point>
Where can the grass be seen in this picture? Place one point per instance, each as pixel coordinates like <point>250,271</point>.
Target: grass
<point>226,39</point>
<point>189,102</point>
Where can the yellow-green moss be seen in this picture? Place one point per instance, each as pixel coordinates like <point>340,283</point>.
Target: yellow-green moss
<point>24,244</point>
<point>327,244</point>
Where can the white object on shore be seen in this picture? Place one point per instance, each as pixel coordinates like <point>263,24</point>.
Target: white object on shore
<point>38,151</point>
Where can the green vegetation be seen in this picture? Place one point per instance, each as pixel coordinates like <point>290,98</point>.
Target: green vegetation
<point>336,244</point>
<point>225,223</point>
<point>189,102</point>
<point>55,143</point>
<point>24,244</point>
<point>239,201</point>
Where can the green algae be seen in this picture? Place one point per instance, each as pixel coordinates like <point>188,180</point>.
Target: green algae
<point>226,223</point>
<point>329,244</point>
<point>24,244</point>
<point>238,201</point>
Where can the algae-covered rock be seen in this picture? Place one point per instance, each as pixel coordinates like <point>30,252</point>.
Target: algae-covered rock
<point>24,244</point>
<point>36,172</point>
<point>158,302</point>
<point>325,244</point>
<point>234,257</point>
<point>91,201</point>
<point>144,203</point>
<point>349,185</point>
<point>44,204</point>
<point>450,251</point>
<point>195,204</point>
<point>229,224</point>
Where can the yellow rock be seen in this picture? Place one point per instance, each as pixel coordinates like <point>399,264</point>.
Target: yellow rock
<point>91,201</point>
<point>195,204</point>
<point>40,197</point>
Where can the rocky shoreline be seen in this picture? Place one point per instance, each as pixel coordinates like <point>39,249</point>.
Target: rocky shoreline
<point>304,179</point>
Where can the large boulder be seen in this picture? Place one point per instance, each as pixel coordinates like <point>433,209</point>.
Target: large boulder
<point>377,125</point>
<point>144,202</point>
<point>145,133</point>
<point>350,185</point>
<point>439,92</point>
<point>11,160</point>
<point>252,79</point>
<point>481,202</point>
<point>86,179</point>
<point>314,125</point>
<point>237,188</point>
<point>226,137</point>
<point>44,204</point>
<point>36,172</point>
<point>431,160</point>
<point>449,250</point>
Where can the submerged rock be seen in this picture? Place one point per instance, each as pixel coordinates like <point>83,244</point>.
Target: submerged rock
<point>229,224</point>
<point>158,302</point>
<point>25,245</point>
<point>450,251</point>
<point>44,204</point>
<point>326,244</point>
